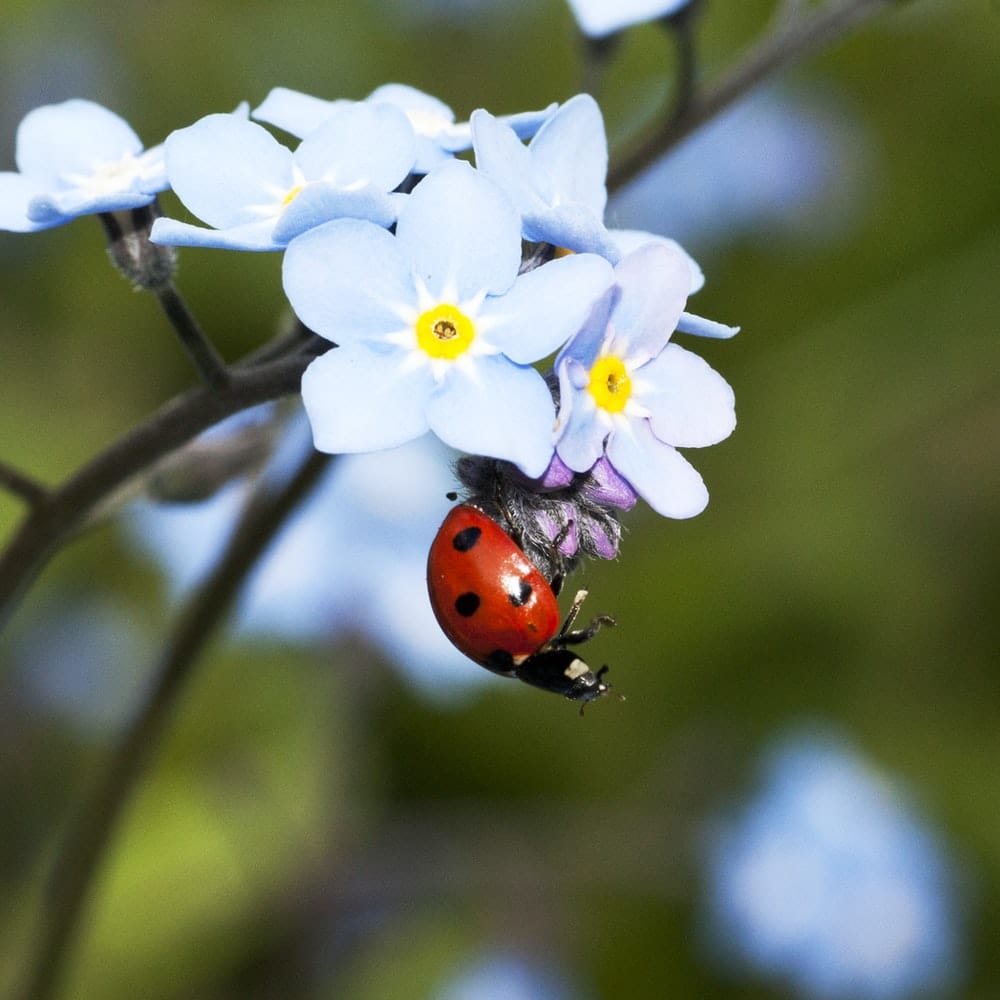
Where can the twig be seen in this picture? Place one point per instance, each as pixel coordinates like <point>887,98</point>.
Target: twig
<point>89,838</point>
<point>67,506</point>
<point>199,348</point>
<point>797,38</point>
<point>19,483</point>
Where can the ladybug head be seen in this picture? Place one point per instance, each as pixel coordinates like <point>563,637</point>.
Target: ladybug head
<point>563,672</point>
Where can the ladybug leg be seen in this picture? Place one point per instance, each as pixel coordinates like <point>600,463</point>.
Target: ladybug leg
<point>568,636</point>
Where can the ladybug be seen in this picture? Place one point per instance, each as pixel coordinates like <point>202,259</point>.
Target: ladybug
<point>498,609</point>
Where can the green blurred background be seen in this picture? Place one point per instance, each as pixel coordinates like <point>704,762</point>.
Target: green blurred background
<point>312,827</point>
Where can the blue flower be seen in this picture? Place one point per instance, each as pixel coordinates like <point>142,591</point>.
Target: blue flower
<point>557,182</point>
<point>236,176</point>
<point>626,392</point>
<point>438,135</point>
<point>351,561</point>
<point>598,18</point>
<point>76,158</point>
<point>828,881</point>
<point>436,329</point>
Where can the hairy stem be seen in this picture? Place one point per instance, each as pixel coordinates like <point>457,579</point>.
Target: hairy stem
<point>32,492</point>
<point>199,348</point>
<point>795,38</point>
<point>89,837</point>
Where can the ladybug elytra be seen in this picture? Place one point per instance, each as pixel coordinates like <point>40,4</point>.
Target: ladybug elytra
<point>497,608</point>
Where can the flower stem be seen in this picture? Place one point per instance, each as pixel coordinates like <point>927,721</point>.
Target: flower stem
<point>89,837</point>
<point>794,39</point>
<point>199,348</point>
<point>32,492</point>
<point>66,507</point>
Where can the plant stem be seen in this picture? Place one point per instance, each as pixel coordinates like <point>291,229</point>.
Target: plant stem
<point>32,492</point>
<point>796,38</point>
<point>89,837</point>
<point>64,508</point>
<point>199,348</point>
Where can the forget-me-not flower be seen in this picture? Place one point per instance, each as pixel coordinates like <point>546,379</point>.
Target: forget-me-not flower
<point>557,181</point>
<point>598,18</point>
<point>76,158</point>
<point>435,328</point>
<point>627,392</point>
<point>827,880</point>
<point>234,175</point>
<point>437,133</point>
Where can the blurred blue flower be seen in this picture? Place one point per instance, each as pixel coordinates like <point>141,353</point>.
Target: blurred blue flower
<point>76,158</point>
<point>799,172</point>
<point>438,135</point>
<point>598,18</point>
<point>828,881</point>
<point>234,175</point>
<point>352,560</point>
<point>435,328</point>
<point>625,391</point>
<point>502,976</point>
<point>557,181</point>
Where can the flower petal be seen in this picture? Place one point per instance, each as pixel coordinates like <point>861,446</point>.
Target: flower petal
<point>659,474</point>
<point>691,405</point>
<point>364,398</point>
<point>16,192</point>
<point>628,240</point>
<point>255,236</point>
<point>652,285</point>
<point>582,427</point>
<point>74,137</point>
<point>320,202</point>
<point>698,326</point>
<point>347,280</point>
<point>295,112</point>
<point>228,171</point>
<point>359,143</point>
<point>461,233</point>
<point>598,18</point>
<point>499,409</point>
<point>546,306</point>
<point>572,149</point>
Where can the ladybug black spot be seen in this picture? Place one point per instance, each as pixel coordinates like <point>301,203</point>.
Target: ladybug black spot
<point>501,661</point>
<point>521,594</point>
<point>467,604</point>
<point>466,539</point>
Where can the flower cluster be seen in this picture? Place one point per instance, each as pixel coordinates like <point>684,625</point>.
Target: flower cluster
<point>441,285</point>
<point>828,880</point>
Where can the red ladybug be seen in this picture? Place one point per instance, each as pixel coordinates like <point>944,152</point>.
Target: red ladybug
<point>499,610</point>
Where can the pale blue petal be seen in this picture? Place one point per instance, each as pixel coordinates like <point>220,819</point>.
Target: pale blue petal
<point>572,226</point>
<point>598,18</point>
<point>658,473</point>
<point>50,209</point>
<point>572,149</point>
<point>228,171</point>
<point>361,398</point>
<point>74,137</point>
<point>295,112</point>
<point>582,427</point>
<point>546,306</point>
<point>628,240</point>
<point>255,236</point>
<point>524,125</point>
<point>347,279</point>
<point>502,157</point>
<point>432,121</point>
<point>320,202</point>
<point>16,191</point>
<point>698,326</point>
<point>499,409</point>
<point>460,233</point>
<point>691,405</point>
<point>652,285</point>
<point>360,143</point>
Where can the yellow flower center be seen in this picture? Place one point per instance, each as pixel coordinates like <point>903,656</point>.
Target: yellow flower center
<point>610,384</point>
<point>445,332</point>
<point>292,195</point>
